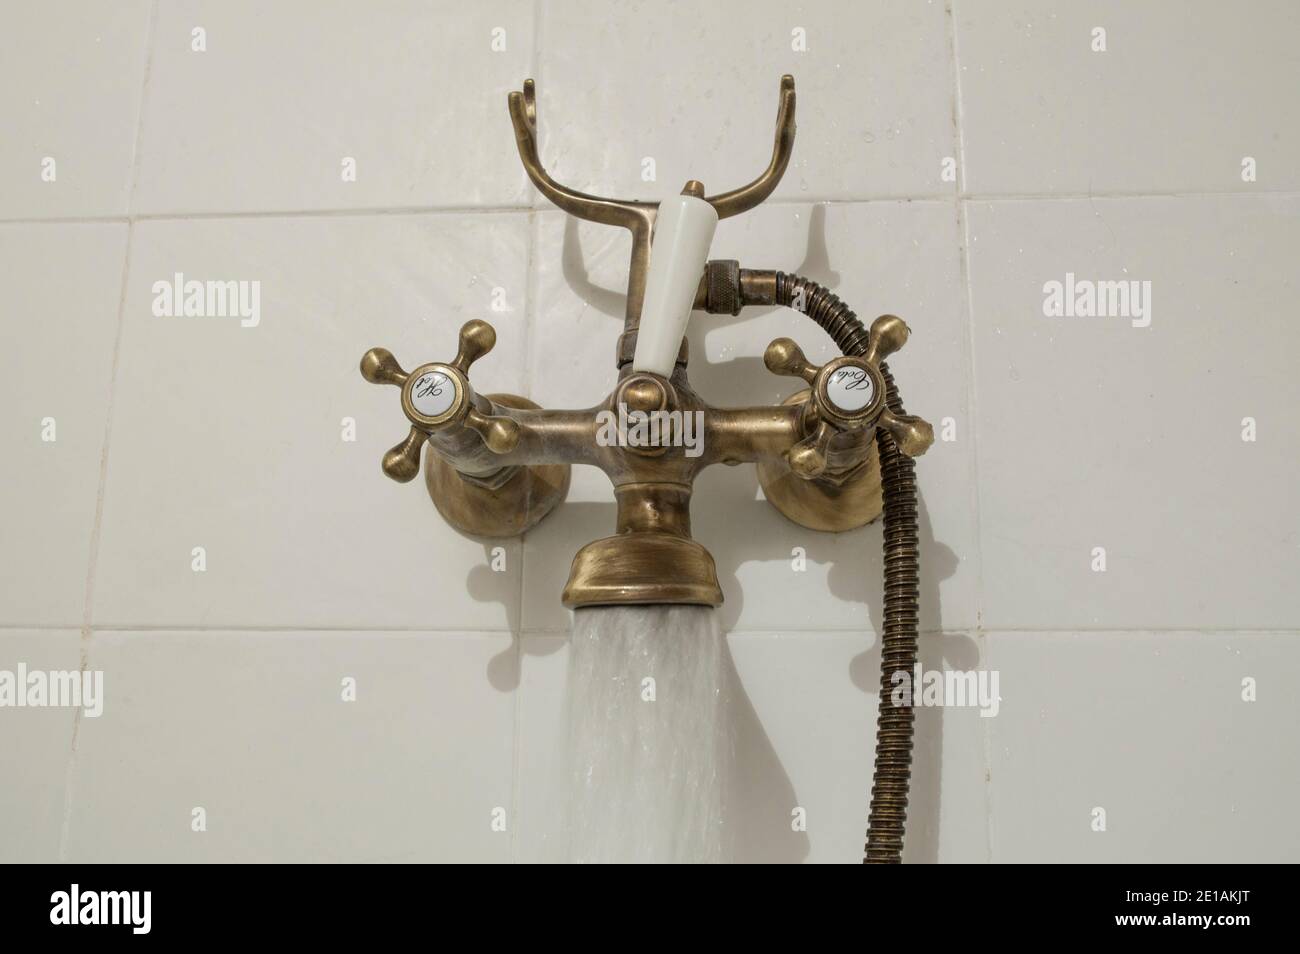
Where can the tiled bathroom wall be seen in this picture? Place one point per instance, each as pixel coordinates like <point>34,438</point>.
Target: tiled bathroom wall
<point>193,506</point>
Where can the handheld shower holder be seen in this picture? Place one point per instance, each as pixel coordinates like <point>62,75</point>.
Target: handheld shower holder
<point>497,464</point>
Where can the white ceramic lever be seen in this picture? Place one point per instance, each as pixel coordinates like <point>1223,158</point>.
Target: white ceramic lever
<point>683,232</point>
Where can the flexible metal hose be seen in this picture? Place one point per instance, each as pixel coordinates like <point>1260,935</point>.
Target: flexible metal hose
<point>887,820</point>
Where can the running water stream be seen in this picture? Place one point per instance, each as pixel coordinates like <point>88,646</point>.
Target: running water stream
<point>649,739</point>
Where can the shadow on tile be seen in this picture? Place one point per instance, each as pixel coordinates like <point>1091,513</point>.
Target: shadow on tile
<point>762,793</point>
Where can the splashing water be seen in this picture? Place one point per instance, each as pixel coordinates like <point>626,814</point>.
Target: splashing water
<point>649,739</point>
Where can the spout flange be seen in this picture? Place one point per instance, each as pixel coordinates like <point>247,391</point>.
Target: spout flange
<point>642,567</point>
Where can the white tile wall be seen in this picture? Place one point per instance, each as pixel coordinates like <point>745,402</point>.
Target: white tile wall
<point>60,307</point>
<point>38,747</point>
<point>232,438</point>
<point>1096,432</point>
<point>694,88</point>
<point>1121,689</point>
<point>1152,729</point>
<point>251,729</point>
<point>1180,96</point>
<point>265,118</point>
<point>71,81</point>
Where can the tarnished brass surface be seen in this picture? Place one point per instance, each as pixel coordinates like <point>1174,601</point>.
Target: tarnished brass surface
<point>809,458</point>
<point>845,497</point>
<point>497,464</point>
<point>725,287</point>
<point>642,568</point>
<point>651,559</point>
<point>464,411</point>
<point>527,494</point>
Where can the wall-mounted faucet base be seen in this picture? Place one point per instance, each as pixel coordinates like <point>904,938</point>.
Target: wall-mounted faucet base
<point>503,511</point>
<point>843,498</point>
<point>822,504</point>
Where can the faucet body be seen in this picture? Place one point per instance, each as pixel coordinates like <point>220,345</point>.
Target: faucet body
<point>497,464</point>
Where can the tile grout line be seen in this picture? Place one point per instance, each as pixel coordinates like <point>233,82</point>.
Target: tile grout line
<point>526,386</point>
<point>144,103</point>
<point>97,525</point>
<point>449,210</point>
<point>792,631</point>
<point>985,646</point>
<point>963,223</point>
<point>1122,194</point>
<point>286,629</point>
<point>526,389</point>
<point>963,240</point>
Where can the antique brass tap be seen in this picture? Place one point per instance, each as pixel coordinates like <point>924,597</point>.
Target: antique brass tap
<point>497,464</point>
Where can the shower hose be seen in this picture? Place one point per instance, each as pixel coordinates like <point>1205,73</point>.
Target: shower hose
<point>888,814</point>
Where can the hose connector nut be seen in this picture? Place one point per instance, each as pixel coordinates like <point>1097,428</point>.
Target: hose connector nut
<point>722,287</point>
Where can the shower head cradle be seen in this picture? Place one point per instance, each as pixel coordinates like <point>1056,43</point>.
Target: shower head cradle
<point>638,217</point>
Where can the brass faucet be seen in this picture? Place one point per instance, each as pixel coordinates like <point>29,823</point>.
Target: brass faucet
<point>497,464</point>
